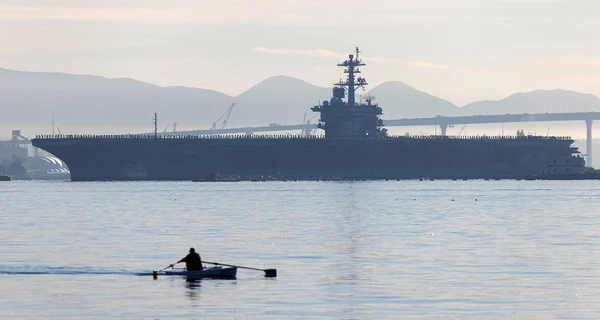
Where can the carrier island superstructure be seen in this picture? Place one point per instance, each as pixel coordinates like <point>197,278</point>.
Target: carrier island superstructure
<point>355,146</point>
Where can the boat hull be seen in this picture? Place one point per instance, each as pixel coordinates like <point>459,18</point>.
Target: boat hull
<point>208,273</point>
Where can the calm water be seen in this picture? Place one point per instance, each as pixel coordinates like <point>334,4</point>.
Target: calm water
<point>343,250</point>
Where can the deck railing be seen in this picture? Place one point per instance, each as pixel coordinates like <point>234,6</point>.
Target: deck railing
<point>290,137</point>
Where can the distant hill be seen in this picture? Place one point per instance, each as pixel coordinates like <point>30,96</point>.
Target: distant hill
<point>402,101</point>
<point>285,99</point>
<point>31,98</point>
<point>279,99</point>
<point>539,101</point>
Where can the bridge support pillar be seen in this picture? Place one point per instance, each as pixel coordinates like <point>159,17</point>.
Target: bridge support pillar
<point>443,128</point>
<point>588,124</point>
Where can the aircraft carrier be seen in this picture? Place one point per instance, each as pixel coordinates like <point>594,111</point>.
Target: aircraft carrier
<point>355,146</point>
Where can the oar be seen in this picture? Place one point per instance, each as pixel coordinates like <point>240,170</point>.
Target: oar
<point>155,273</point>
<point>268,272</point>
<point>169,266</point>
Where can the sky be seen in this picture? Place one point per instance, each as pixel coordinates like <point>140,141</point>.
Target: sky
<point>459,50</point>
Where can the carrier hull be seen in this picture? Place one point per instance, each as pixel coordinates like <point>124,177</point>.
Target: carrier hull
<point>185,158</point>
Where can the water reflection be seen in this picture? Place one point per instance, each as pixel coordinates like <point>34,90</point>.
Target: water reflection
<point>193,288</point>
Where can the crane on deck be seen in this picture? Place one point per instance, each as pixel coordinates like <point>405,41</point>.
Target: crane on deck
<point>307,131</point>
<point>461,130</point>
<point>225,115</point>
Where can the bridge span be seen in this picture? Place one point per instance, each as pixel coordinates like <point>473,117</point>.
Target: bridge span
<point>444,122</point>
<point>441,121</point>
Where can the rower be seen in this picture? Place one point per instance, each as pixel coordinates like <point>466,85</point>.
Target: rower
<point>192,261</point>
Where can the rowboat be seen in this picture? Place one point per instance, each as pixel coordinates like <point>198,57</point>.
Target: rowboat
<point>217,272</point>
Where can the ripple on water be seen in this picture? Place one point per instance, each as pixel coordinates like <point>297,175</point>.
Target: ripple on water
<point>341,250</point>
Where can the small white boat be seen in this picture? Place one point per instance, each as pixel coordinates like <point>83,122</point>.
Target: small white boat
<point>217,272</point>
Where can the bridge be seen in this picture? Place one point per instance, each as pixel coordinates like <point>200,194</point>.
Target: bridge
<point>441,121</point>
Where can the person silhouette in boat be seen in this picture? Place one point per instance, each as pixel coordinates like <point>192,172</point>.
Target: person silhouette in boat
<point>192,261</point>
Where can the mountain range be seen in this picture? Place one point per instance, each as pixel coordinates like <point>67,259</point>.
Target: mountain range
<point>33,98</point>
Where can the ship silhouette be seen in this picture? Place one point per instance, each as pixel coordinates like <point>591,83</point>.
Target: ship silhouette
<point>355,147</point>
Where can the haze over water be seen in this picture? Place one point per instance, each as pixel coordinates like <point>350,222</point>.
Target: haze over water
<point>343,250</point>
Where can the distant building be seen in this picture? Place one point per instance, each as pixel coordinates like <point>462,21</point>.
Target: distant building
<point>46,168</point>
<point>16,147</point>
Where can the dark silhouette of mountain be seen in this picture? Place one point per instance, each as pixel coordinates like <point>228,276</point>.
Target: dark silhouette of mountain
<point>399,100</point>
<point>538,101</point>
<point>31,98</point>
<point>280,99</point>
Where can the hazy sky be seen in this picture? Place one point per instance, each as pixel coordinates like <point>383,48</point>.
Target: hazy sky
<point>460,50</point>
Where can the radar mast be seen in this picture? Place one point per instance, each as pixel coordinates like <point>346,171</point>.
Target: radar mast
<point>351,84</point>
<point>350,119</point>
